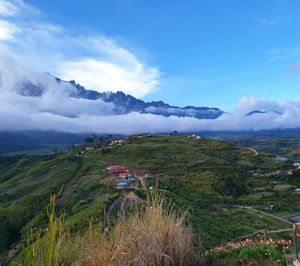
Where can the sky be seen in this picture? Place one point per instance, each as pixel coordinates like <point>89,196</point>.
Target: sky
<point>235,55</point>
<point>184,52</point>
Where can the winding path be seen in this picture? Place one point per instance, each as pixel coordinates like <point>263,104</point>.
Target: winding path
<point>253,150</point>
<point>266,214</point>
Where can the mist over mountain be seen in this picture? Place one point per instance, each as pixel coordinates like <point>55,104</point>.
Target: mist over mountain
<point>33,100</point>
<point>124,103</point>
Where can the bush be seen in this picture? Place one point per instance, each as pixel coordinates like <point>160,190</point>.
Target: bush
<point>269,251</point>
<point>7,232</point>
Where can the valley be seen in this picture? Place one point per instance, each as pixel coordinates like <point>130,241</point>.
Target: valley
<point>206,178</point>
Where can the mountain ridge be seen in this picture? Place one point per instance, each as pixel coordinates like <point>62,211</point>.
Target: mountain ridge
<point>125,103</point>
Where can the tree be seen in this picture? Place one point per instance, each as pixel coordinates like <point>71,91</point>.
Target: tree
<point>101,141</point>
<point>94,138</point>
<point>89,140</point>
<point>6,233</point>
<point>56,150</point>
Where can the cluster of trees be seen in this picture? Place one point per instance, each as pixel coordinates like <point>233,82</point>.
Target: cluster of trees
<point>100,141</point>
<point>10,158</point>
<point>7,232</point>
<point>234,185</point>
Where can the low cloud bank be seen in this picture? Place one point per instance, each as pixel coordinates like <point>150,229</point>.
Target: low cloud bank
<point>23,115</point>
<point>54,109</point>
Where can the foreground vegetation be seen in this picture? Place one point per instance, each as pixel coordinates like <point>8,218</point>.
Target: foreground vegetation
<point>149,236</point>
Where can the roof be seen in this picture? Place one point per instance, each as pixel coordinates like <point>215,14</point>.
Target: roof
<point>269,206</point>
<point>149,175</point>
<point>116,168</point>
<point>295,219</point>
<point>122,175</point>
<point>113,167</point>
<point>122,184</point>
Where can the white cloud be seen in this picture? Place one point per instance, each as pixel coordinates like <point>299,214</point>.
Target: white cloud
<point>95,61</point>
<point>8,31</point>
<point>56,110</point>
<point>15,118</point>
<point>107,76</point>
<point>7,8</point>
<point>246,105</point>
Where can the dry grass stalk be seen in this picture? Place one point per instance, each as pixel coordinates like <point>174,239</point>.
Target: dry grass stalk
<point>149,237</point>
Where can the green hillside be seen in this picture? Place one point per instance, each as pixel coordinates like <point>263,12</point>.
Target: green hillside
<point>206,178</point>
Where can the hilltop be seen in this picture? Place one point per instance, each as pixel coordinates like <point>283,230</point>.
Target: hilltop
<point>206,178</point>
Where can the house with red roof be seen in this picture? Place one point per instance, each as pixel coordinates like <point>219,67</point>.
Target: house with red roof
<point>116,169</point>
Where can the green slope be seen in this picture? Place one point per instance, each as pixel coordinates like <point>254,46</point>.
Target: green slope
<point>202,177</point>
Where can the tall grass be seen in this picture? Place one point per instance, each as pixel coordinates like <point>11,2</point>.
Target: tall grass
<point>151,235</point>
<point>47,248</point>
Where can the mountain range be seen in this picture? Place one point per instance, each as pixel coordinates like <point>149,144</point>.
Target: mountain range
<point>257,112</point>
<point>124,103</point>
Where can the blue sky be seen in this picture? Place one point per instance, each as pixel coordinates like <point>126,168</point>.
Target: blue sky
<point>203,53</point>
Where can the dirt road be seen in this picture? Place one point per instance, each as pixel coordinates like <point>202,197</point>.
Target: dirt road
<point>255,151</point>
<point>141,179</point>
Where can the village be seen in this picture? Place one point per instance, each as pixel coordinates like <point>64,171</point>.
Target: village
<point>277,173</point>
<point>120,176</point>
<point>123,178</point>
<point>127,177</point>
<point>108,142</point>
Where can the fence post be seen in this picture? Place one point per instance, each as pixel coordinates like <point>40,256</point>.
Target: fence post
<point>295,242</point>
<point>265,235</point>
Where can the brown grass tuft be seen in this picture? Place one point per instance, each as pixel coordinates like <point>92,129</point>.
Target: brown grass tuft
<point>151,236</point>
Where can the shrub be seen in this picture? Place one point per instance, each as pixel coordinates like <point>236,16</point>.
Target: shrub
<point>255,251</point>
